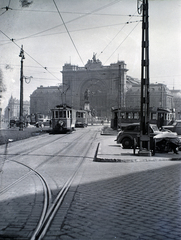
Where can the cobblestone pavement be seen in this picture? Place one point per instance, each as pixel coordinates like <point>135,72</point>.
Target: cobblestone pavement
<point>121,200</point>
<point>126,201</point>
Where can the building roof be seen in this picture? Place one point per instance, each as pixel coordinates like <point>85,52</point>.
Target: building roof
<point>49,89</point>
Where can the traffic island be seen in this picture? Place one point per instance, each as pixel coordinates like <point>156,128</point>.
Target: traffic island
<point>108,151</point>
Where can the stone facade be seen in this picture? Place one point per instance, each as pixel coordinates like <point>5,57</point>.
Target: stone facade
<point>160,96</point>
<point>2,89</point>
<point>177,103</point>
<point>96,84</point>
<point>43,99</point>
<point>98,87</point>
<point>12,111</point>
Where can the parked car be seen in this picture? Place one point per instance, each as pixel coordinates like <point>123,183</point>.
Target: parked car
<point>46,122</point>
<point>175,127</point>
<point>131,132</point>
<point>12,123</point>
<point>167,142</point>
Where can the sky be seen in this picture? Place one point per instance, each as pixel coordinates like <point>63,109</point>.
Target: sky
<point>55,32</point>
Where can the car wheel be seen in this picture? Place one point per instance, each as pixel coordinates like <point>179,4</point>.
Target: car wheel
<point>127,143</point>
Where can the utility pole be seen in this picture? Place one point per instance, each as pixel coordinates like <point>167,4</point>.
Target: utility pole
<point>21,90</point>
<point>119,98</point>
<point>145,98</point>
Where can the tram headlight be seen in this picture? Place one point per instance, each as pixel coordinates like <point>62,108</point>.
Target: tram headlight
<point>61,123</point>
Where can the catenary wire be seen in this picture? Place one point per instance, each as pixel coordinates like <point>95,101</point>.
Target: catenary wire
<point>7,8</point>
<point>65,12</point>
<point>78,30</point>
<point>12,40</point>
<point>90,13</point>
<point>68,32</point>
<point>122,41</point>
<point>117,34</point>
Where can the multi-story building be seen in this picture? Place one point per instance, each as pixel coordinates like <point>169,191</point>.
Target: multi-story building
<point>96,86</point>
<point>2,89</point>
<point>12,111</point>
<point>160,96</point>
<point>43,99</point>
<point>100,86</point>
<point>177,102</point>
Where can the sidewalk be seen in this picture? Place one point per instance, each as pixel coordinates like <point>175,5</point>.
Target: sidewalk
<point>109,151</point>
<point>15,134</point>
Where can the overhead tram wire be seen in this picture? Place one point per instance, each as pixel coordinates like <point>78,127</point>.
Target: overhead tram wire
<point>90,13</point>
<point>119,32</point>
<point>68,12</point>
<point>87,70</point>
<point>99,14</point>
<point>9,66</point>
<point>6,8</point>
<point>128,22</point>
<point>13,41</point>
<point>68,33</point>
<point>78,30</point>
<point>122,41</point>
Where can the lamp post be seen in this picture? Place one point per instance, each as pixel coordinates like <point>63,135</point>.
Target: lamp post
<point>9,116</point>
<point>21,55</point>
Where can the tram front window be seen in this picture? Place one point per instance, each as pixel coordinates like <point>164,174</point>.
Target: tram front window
<point>62,114</point>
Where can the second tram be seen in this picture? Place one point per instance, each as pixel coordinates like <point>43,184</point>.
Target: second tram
<point>81,118</point>
<point>125,116</point>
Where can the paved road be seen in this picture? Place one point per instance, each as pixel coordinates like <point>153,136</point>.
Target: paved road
<point>120,200</point>
<point>126,201</point>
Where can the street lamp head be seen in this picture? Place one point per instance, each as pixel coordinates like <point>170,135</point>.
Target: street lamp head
<point>22,53</point>
<point>139,6</point>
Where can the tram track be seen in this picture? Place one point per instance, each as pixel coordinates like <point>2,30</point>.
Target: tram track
<point>47,192</point>
<point>43,228</point>
<point>39,145</point>
<point>13,157</point>
<point>50,207</point>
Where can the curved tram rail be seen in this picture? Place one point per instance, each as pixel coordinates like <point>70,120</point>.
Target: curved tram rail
<point>44,225</point>
<point>42,228</point>
<point>49,209</point>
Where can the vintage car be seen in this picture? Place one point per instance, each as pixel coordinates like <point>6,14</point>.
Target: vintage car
<point>131,134</point>
<point>175,127</point>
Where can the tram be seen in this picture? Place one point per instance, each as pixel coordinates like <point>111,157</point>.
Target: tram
<point>81,118</point>
<point>65,118</point>
<point>159,116</point>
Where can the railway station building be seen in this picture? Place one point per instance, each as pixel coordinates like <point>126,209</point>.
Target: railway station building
<point>99,89</point>
<point>94,87</point>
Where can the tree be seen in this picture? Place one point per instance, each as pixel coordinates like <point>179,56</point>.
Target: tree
<point>2,85</point>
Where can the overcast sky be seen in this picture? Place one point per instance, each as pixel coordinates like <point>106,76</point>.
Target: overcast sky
<point>55,32</point>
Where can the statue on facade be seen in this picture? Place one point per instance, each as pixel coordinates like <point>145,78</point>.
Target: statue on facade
<point>94,57</point>
<point>86,95</point>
